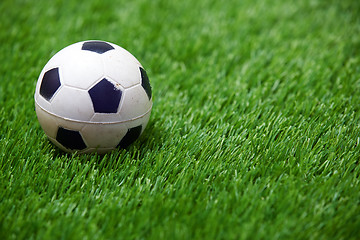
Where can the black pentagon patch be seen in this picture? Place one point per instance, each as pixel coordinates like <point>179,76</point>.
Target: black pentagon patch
<point>105,97</point>
<point>70,139</point>
<point>50,83</point>
<point>97,46</point>
<point>145,83</point>
<point>130,137</point>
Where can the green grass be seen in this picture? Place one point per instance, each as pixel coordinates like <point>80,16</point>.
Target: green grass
<point>254,133</point>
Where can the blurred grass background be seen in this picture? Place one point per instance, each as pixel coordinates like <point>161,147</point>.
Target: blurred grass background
<point>254,132</point>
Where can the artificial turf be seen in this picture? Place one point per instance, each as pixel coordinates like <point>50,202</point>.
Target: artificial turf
<point>254,132</point>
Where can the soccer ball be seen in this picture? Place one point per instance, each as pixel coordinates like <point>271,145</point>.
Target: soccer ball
<point>93,96</point>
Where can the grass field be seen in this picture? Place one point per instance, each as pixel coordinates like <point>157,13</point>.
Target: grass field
<point>254,133</point>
